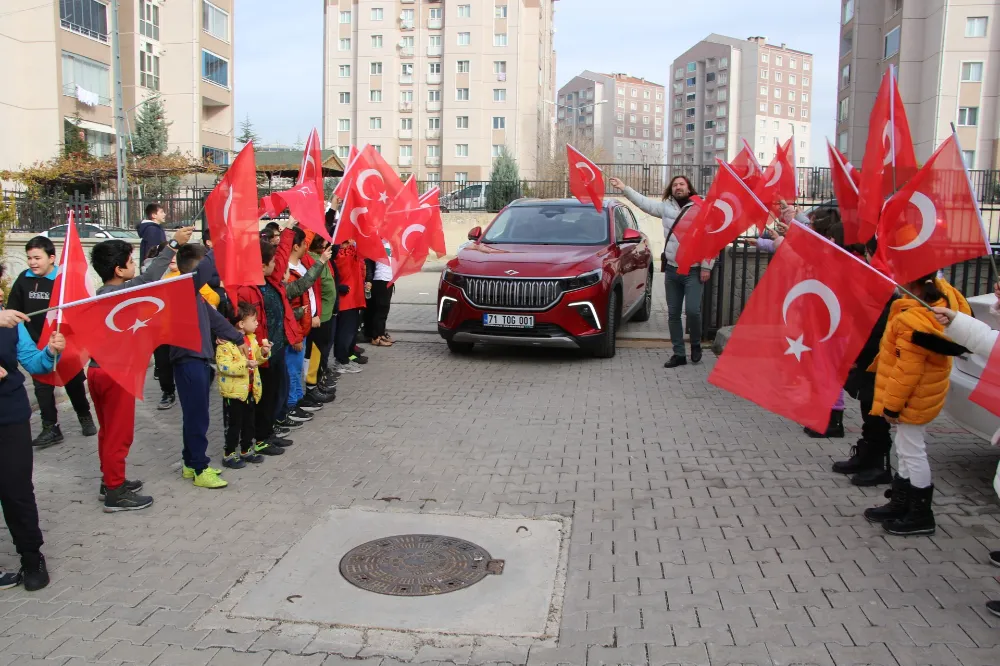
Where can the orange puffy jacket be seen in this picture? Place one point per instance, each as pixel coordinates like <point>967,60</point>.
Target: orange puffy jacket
<point>911,382</point>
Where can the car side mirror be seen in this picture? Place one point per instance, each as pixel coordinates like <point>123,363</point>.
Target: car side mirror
<point>475,233</point>
<point>631,236</point>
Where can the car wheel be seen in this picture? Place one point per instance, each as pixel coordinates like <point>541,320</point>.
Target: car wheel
<point>647,300</point>
<point>460,347</point>
<point>607,348</point>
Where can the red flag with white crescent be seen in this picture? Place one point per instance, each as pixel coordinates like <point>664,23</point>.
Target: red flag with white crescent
<point>586,180</point>
<point>231,211</point>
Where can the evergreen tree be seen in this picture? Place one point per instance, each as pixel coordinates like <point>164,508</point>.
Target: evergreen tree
<point>73,142</point>
<point>505,180</point>
<point>150,136</point>
<point>247,133</point>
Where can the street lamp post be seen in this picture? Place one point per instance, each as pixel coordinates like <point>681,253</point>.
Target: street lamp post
<point>575,110</point>
<point>120,129</point>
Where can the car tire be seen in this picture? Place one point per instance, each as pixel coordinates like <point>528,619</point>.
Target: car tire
<point>460,347</point>
<point>608,342</point>
<point>646,311</point>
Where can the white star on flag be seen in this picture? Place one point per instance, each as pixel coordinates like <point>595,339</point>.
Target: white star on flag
<point>796,348</point>
<point>139,323</point>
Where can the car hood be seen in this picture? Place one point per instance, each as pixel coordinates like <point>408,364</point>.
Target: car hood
<point>543,261</point>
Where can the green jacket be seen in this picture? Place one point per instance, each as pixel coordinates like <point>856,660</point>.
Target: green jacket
<point>328,290</point>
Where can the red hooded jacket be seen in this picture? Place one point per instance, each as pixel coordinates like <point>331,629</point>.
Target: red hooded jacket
<point>275,279</point>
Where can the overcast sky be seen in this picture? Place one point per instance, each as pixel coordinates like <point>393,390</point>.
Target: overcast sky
<point>279,50</point>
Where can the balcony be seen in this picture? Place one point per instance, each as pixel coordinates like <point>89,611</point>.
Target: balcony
<point>433,134</point>
<point>501,76</point>
<point>434,106</point>
<point>406,107</point>
<point>405,160</point>
<point>406,78</point>
<point>433,161</point>
<point>406,2</point>
<point>406,134</point>
<point>435,51</point>
<point>405,51</point>
<point>435,23</point>
<point>434,79</point>
<point>405,24</point>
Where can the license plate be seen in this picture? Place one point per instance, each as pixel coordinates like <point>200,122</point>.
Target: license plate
<point>509,321</point>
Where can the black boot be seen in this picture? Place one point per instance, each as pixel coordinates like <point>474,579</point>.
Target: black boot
<point>34,575</point>
<point>856,462</point>
<point>833,429</point>
<point>49,436</point>
<point>675,361</point>
<point>87,424</point>
<point>919,518</point>
<point>878,471</point>
<point>899,502</point>
<point>696,353</point>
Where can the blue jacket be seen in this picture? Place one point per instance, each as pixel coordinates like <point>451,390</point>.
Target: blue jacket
<point>16,346</point>
<point>152,234</point>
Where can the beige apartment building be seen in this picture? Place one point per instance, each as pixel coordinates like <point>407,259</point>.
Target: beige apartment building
<point>621,117</point>
<point>725,90</point>
<point>946,53</point>
<point>57,60</point>
<point>440,86</point>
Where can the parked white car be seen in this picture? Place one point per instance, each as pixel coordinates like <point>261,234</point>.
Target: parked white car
<point>87,230</point>
<point>470,197</point>
<point>965,374</point>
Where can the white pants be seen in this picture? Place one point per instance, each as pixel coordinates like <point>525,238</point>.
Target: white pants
<point>911,450</point>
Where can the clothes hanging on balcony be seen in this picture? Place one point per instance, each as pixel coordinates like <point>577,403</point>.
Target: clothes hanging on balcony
<point>84,96</point>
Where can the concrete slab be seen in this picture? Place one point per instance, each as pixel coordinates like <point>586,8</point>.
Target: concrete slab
<point>306,585</point>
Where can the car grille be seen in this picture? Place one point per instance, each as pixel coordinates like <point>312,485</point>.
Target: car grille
<point>512,294</point>
<point>539,331</point>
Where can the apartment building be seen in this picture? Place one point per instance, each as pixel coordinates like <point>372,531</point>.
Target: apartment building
<point>621,117</point>
<point>57,57</point>
<point>440,86</point>
<point>946,55</point>
<point>725,90</point>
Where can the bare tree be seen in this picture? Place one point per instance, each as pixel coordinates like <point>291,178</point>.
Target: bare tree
<point>554,167</point>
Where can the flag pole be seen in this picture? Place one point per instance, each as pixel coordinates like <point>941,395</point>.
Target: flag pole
<point>979,214</point>
<point>70,230</point>
<point>110,294</point>
<point>892,123</point>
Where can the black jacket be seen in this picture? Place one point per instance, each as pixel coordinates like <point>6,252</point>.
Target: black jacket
<point>31,293</point>
<point>859,374</point>
<point>152,234</point>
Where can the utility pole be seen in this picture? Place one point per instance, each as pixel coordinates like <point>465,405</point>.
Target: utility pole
<point>121,132</point>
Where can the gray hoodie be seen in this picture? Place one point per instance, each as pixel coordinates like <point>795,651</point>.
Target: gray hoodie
<point>668,211</point>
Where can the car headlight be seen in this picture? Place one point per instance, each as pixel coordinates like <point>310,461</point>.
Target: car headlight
<point>586,280</point>
<point>453,279</point>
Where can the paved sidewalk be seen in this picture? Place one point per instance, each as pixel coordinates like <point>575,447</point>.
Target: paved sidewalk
<point>704,531</point>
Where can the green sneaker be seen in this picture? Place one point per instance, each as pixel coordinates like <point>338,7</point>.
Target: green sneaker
<point>188,472</point>
<point>209,479</point>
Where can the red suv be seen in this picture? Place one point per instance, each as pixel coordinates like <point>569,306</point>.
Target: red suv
<point>548,273</point>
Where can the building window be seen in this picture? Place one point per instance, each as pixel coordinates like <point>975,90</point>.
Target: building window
<point>691,82</point>
<point>659,95</point>
<point>462,122</point>
<point>89,75</point>
<point>972,72</point>
<point>633,106</point>
<point>214,21</point>
<point>499,94</point>
<point>375,123</point>
<point>215,155</point>
<point>631,117</point>
<point>806,65</point>
<point>462,94</point>
<point>375,96</point>
<point>500,39</point>
<point>433,151</point>
<point>891,47</point>
<point>848,11</point>
<point>688,127</point>
<point>620,117</point>
<point>805,113</point>
<point>345,44</point>
<point>406,96</point>
<point>777,77</point>
<point>461,150</point>
<point>214,68</point>
<point>376,13</point>
<point>434,68</point>
<point>344,124</point>
<point>777,125</point>
<point>763,91</point>
<point>462,67</point>
<point>406,152</point>
<point>619,129</point>
<point>631,131</point>
<point>464,38</point>
<point>764,74</point>
<point>708,140</point>
<point>763,107</point>
<point>765,57</point>
<point>969,157</point>
<point>436,14</point>
<point>149,19</point>
<point>690,97</point>
<point>149,68</point>
<point>461,176</point>
<point>434,123</point>
<point>791,111</point>
<point>691,67</point>
<point>645,120</point>
<point>406,124</point>
<point>343,152</point>
<point>345,17</point>
<point>778,61</point>
<point>777,109</point>
<point>968,116</point>
<point>345,98</point>
<point>465,11</point>
<point>777,93</point>
<point>376,41</point>
<point>434,95</point>
<point>805,97</point>
<point>345,71</point>
<point>805,81</point>
<point>499,122</point>
<point>791,95</point>
<point>975,26</point>
<point>688,113</point>
<point>375,68</point>
<point>500,69</point>
<point>87,17</point>
<point>645,133</point>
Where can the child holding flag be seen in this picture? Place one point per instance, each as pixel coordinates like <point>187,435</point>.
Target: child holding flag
<point>241,388</point>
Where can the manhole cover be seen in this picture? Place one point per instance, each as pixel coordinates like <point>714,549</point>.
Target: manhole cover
<point>416,565</point>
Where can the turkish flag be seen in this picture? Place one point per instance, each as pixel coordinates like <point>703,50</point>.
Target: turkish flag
<point>71,284</point>
<point>357,222</point>
<point>933,221</point>
<point>308,208</point>
<point>311,170</point>
<point>778,183</point>
<point>746,166</point>
<point>341,190</point>
<point>413,228</point>
<point>889,160</point>
<point>586,180</point>
<point>729,209</point>
<point>802,329</point>
<point>845,190</point>
<point>267,207</point>
<point>121,329</point>
<point>987,391</point>
<point>231,211</point>
<point>855,174</point>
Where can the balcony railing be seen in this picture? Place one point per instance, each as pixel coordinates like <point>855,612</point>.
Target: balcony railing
<point>433,106</point>
<point>406,107</point>
<point>87,32</point>
<point>433,134</point>
<point>406,78</point>
<point>406,160</point>
<point>433,161</point>
<point>405,24</point>
<point>435,23</point>
<point>406,134</point>
<point>434,79</point>
<point>405,51</point>
<point>435,51</point>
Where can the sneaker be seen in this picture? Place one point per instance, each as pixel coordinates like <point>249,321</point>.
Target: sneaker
<point>995,558</point>
<point>34,574</point>
<point>268,449</point>
<point>280,441</point>
<point>49,436</point>
<point>281,431</point>
<point>322,397</point>
<point>289,424</point>
<point>9,579</point>
<point>309,405</point>
<point>675,361</point>
<point>209,479</point>
<point>360,360</point>
<point>123,499</point>
<point>188,472</point>
<point>167,400</point>
<point>134,486</point>
<point>358,350</point>
<point>87,424</point>
<point>233,461</point>
<point>300,415</point>
<point>993,607</point>
<point>251,457</point>
<point>339,368</point>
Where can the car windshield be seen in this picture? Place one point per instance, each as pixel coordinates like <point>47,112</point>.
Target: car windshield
<point>549,225</point>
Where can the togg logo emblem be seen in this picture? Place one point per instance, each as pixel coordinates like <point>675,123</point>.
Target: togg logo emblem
<point>512,272</point>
